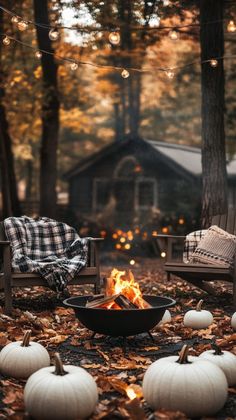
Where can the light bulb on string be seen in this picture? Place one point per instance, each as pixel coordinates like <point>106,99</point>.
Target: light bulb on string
<point>15,19</point>
<point>173,35</point>
<point>6,40</point>
<point>38,54</point>
<point>166,2</point>
<point>53,34</point>
<point>125,74</point>
<point>114,38</point>
<point>74,66</point>
<point>213,63</point>
<point>170,73</point>
<point>231,27</point>
<point>22,25</point>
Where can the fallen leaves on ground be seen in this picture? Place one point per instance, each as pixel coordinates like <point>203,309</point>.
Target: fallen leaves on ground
<point>115,364</point>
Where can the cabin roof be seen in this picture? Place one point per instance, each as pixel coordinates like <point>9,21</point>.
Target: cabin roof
<point>185,157</point>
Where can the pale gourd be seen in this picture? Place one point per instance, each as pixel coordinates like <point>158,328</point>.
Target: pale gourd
<point>165,319</point>
<point>198,318</point>
<point>20,359</point>
<point>224,359</point>
<point>191,385</point>
<point>233,321</point>
<point>58,393</point>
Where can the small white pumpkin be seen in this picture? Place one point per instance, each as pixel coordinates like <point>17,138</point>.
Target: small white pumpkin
<point>233,321</point>
<point>224,359</point>
<point>57,393</point>
<point>166,318</point>
<point>194,386</point>
<point>20,359</point>
<point>198,318</point>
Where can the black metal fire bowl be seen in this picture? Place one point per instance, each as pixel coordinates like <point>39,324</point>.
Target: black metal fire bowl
<point>120,322</point>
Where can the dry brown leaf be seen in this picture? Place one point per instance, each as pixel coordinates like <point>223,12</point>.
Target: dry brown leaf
<point>104,355</point>
<point>58,339</point>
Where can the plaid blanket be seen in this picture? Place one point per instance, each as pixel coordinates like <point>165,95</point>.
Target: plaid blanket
<point>47,247</point>
<point>191,242</point>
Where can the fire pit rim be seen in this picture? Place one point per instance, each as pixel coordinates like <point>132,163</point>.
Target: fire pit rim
<point>172,302</point>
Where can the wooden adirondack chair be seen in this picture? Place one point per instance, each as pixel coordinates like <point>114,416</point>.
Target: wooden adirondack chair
<point>200,274</point>
<point>8,279</point>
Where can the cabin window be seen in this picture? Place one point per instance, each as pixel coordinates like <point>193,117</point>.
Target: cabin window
<point>145,195</point>
<point>101,193</point>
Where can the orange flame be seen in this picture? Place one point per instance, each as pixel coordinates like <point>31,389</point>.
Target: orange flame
<point>127,286</point>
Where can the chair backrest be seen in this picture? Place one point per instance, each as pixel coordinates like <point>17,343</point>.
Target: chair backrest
<point>226,221</point>
<point>2,232</point>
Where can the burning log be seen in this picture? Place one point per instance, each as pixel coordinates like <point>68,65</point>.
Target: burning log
<point>95,297</point>
<point>125,303</point>
<point>108,283</point>
<point>96,303</point>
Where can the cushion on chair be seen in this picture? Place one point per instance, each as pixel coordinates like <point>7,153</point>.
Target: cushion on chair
<point>191,242</point>
<point>217,247</point>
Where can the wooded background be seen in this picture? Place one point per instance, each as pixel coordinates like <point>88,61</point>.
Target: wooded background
<point>51,116</point>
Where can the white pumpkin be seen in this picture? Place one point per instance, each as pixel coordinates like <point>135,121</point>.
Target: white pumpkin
<point>20,359</point>
<point>224,359</point>
<point>57,393</point>
<point>194,386</point>
<point>198,318</point>
<point>166,318</point>
<point>233,321</point>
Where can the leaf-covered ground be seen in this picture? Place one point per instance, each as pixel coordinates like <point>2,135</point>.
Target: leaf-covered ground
<point>113,363</point>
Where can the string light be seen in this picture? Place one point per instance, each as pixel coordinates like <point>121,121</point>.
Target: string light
<point>38,54</point>
<point>6,40</point>
<point>54,34</point>
<point>114,38</point>
<point>213,63</point>
<point>231,27</point>
<point>170,73</point>
<point>15,19</point>
<point>125,74</point>
<point>74,66</point>
<point>166,2</point>
<point>173,35</point>
<point>22,25</point>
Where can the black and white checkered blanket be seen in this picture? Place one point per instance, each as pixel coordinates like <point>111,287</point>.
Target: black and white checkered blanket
<point>191,242</point>
<point>47,247</point>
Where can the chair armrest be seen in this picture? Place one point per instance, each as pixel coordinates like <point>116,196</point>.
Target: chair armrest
<point>4,243</point>
<point>93,255</point>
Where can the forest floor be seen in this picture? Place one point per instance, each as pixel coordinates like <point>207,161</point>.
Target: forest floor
<point>113,366</point>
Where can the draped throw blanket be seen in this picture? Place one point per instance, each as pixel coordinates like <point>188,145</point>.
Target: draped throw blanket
<point>46,247</point>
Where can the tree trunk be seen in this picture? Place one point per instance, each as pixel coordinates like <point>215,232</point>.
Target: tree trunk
<point>10,202</point>
<point>50,116</point>
<point>214,176</point>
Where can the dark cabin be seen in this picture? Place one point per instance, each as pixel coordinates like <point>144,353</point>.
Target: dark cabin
<point>136,181</point>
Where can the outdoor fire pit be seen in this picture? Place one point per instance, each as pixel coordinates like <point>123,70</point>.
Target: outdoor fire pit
<point>120,322</point>
<point>121,310</point>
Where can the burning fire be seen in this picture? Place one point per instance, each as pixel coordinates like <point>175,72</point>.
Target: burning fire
<point>121,283</point>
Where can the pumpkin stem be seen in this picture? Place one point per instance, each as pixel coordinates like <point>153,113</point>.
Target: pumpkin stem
<point>199,305</point>
<point>183,355</point>
<point>217,349</point>
<point>59,369</point>
<point>26,339</point>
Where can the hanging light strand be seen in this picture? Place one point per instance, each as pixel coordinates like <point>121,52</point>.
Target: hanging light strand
<point>17,18</point>
<point>74,64</point>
